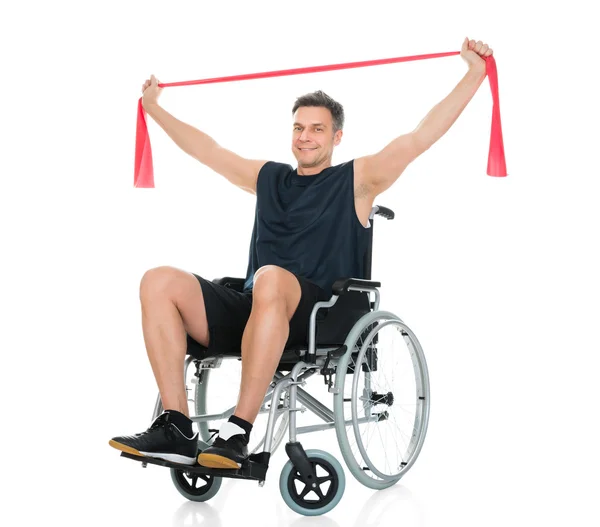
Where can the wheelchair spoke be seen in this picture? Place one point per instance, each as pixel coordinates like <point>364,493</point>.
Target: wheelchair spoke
<point>305,491</point>
<point>392,416</point>
<point>204,480</point>
<point>319,492</point>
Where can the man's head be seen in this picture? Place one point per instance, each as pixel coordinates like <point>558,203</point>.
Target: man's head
<point>317,128</point>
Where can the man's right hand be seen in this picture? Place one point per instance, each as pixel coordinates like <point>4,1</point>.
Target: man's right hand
<point>151,92</point>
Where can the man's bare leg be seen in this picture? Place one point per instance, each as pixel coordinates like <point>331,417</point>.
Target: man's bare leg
<point>275,298</point>
<point>172,305</point>
<point>276,295</point>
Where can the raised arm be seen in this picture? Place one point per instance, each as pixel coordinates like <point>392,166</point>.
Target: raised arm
<point>379,171</point>
<point>240,171</point>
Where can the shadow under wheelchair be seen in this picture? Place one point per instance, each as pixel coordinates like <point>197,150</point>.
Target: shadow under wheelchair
<point>374,368</point>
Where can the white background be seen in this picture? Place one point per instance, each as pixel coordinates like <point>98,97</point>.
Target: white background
<point>498,277</point>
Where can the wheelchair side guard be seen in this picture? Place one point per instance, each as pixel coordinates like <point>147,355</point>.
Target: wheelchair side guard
<point>254,468</point>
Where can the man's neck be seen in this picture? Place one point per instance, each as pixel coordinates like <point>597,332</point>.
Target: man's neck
<point>313,171</point>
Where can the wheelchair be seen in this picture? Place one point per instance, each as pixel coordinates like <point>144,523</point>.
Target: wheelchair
<point>379,396</point>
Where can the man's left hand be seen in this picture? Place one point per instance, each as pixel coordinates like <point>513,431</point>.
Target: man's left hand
<point>474,53</point>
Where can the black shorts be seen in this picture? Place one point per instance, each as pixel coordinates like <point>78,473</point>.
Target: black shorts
<point>228,311</point>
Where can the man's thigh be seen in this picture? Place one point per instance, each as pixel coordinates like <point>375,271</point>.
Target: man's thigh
<point>272,280</point>
<point>227,312</point>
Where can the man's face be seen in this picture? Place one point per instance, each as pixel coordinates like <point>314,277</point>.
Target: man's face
<point>313,139</point>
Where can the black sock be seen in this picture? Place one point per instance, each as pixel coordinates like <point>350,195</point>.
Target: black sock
<point>244,424</point>
<point>181,421</point>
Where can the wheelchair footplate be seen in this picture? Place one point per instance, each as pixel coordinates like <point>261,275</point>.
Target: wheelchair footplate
<point>254,467</point>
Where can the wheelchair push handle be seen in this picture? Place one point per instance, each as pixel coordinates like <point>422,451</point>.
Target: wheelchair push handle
<point>388,214</point>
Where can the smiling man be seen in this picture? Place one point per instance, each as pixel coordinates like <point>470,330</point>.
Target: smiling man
<point>311,227</point>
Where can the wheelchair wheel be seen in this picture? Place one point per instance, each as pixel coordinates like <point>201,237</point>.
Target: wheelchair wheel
<point>320,499</point>
<point>381,404</point>
<point>195,487</point>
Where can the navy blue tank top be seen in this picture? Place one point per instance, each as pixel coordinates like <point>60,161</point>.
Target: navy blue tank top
<point>307,225</point>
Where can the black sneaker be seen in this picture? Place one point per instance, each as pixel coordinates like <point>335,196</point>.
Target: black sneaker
<point>229,449</point>
<point>162,440</point>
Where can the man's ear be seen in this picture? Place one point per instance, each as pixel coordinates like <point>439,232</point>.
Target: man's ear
<point>338,137</point>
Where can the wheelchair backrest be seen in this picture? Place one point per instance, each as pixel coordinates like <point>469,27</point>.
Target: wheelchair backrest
<point>334,324</point>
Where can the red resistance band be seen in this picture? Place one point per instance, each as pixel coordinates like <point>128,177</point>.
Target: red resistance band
<point>144,173</point>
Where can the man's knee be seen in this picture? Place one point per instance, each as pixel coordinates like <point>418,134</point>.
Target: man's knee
<point>161,281</point>
<point>274,285</point>
<point>183,290</point>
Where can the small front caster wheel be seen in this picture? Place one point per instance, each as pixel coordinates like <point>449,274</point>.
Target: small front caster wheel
<point>195,487</point>
<point>320,497</point>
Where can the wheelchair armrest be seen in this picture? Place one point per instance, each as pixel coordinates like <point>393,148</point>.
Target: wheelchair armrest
<point>341,286</point>
<point>233,283</point>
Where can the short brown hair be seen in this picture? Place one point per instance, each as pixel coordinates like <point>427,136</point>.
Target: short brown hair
<point>319,98</point>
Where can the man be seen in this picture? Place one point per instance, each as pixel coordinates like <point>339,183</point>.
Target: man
<point>311,228</point>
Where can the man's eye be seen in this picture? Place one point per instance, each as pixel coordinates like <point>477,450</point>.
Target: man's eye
<point>318,129</point>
